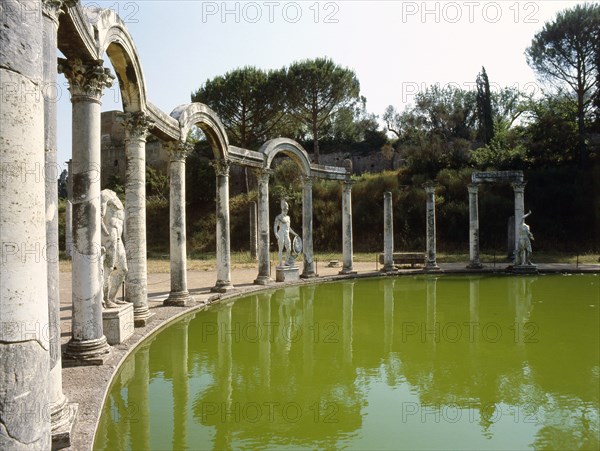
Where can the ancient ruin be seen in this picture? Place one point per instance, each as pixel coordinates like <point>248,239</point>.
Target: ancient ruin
<point>31,34</point>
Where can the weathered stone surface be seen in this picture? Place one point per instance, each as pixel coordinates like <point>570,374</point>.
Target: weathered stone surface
<point>86,82</point>
<point>307,228</point>
<point>388,233</point>
<point>497,176</point>
<point>24,402</point>
<point>264,264</point>
<point>179,293</point>
<point>347,251</point>
<point>24,330</point>
<point>136,283</point>
<point>223,284</point>
<point>118,323</point>
<point>287,273</point>
<point>21,48</point>
<point>431,263</point>
<point>474,262</point>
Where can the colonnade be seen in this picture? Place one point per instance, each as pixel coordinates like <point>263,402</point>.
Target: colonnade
<point>474,250</point>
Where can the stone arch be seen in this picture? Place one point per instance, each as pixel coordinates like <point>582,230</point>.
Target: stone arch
<point>199,114</point>
<point>117,43</point>
<point>288,147</point>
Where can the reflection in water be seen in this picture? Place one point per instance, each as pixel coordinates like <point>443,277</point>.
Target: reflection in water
<point>410,362</point>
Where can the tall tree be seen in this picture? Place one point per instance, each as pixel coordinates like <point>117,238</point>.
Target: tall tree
<point>564,53</point>
<point>316,90</point>
<point>249,102</point>
<point>597,99</point>
<point>485,115</point>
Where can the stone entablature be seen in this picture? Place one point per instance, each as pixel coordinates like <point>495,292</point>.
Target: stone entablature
<point>497,176</point>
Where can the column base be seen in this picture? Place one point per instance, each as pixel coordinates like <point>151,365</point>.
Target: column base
<point>474,265</point>
<point>263,280</point>
<point>389,269</point>
<point>179,299</point>
<point>431,266</point>
<point>347,271</point>
<point>87,352</point>
<point>141,317</point>
<point>62,426</point>
<point>309,275</point>
<point>222,287</point>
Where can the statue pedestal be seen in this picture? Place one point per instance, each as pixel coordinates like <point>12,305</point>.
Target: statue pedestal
<point>524,269</point>
<point>118,323</point>
<point>287,273</point>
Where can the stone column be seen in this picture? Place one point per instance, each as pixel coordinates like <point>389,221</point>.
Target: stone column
<point>307,229</point>
<point>519,189</point>
<point>62,414</point>
<point>136,282</point>
<point>69,211</point>
<point>431,263</point>
<point>223,243</point>
<point>388,233</point>
<point>24,346</point>
<point>264,277</point>
<point>474,228</point>
<point>86,81</point>
<point>253,232</point>
<point>179,295</point>
<point>347,251</point>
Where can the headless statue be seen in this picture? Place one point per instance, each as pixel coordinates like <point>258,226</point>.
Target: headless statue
<point>523,256</point>
<point>115,259</point>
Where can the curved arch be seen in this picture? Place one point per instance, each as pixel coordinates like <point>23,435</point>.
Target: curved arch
<point>289,147</point>
<point>117,43</point>
<point>199,114</point>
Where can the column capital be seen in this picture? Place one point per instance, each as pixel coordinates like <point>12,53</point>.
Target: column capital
<point>51,9</point>
<point>307,180</point>
<point>519,187</point>
<point>86,79</point>
<point>136,124</point>
<point>347,165</point>
<point>430,187</point>
<point>473,188</point>
<point>221,167</point>
<point>178,151</point>
<point>263,174</point>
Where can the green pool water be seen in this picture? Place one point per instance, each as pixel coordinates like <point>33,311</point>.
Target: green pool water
<point>422,362</point>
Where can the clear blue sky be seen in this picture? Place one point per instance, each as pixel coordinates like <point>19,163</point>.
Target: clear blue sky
<point>395,47</point>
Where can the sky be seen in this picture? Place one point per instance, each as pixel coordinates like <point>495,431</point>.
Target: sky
<point>396,48</point>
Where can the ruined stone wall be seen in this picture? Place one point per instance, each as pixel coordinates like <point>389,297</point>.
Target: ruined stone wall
<point>113,150</point>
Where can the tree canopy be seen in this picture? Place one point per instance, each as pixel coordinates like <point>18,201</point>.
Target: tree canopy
<point>249,102</point>
<point>316,90</point>
<point>564,54</point>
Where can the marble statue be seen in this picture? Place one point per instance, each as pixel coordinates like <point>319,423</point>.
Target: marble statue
<point>523,256</point>
<point>282,230</point>
<point>115,260</point>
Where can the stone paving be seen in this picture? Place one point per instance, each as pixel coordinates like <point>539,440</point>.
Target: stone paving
<point>88,385</point>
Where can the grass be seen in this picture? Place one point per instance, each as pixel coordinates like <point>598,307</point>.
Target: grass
<point>240,260</point>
